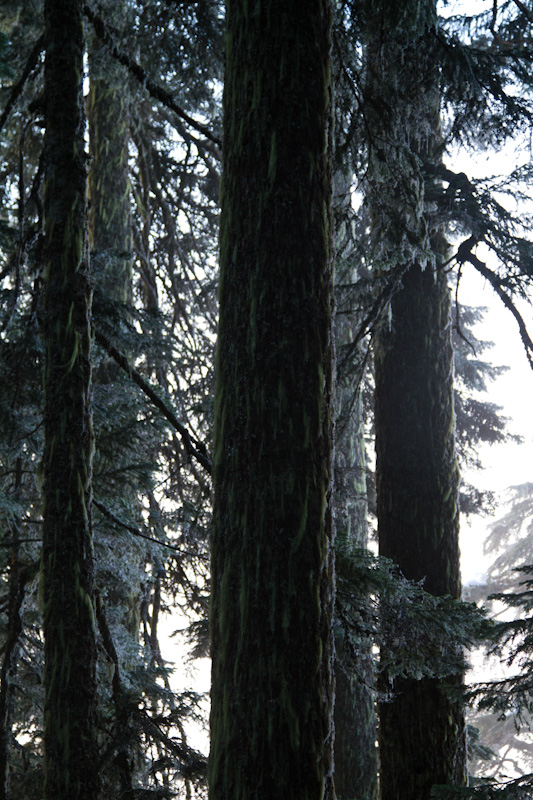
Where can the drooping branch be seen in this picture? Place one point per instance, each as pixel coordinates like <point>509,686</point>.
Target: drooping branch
<point>193,447</point>
<point>136,532</point>
<point>135,69</point>
<point>464,253</point>
<point>109,646</point>
<point>378,308</point>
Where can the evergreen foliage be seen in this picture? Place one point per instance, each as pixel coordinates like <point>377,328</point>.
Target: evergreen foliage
<point>154,346</point>
<point>142,541</point>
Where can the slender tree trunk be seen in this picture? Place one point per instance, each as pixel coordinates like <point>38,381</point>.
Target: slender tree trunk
<point>356,761</point>
<point>10,649</point>
<point>110,235</point>
<point>110,241</point>
<point>272,556</point>
<point>422,731</point>
<point>71,766</point>
<point>356,756</point>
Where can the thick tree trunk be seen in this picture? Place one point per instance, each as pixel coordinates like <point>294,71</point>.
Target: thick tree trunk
<point>422,735</point>
<point>272,556</point>
<point>422,740</point>
<point>70,642</point>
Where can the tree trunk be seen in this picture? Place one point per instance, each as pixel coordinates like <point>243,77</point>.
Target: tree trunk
<point>356,756</point>
<point>71,766</point>
<point>422,732</point>
<point>110,234</point>
<point>110,242</point>
<point>272,556</point>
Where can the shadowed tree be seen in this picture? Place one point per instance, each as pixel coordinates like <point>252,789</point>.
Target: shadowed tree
<point>67,559</point>
<point>272,558</point>
<point>422,732</point>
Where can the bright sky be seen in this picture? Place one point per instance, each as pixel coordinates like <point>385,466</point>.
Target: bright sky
<point>506,464</point>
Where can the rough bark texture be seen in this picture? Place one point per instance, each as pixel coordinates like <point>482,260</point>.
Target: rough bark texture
<point>422,735</point>
<point>69,629</point>
<point>272,557</point>
<point>422,738</point>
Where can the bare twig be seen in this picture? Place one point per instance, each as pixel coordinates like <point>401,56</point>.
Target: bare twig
<point>136,532</point>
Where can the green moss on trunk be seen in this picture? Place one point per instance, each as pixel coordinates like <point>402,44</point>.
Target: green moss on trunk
<point>70,644</point>
<point>272,560</point>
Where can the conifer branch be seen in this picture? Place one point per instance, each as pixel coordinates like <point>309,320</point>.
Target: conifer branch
<point>16,91</point>
<point>378,308</point>
<point>136,532</point>
<point>464,253</point>
<point>156,91</point>
<point>192,446</point>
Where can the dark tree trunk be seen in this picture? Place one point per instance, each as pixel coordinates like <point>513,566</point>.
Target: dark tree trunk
<point>71,766</point>
<point>272,556</point>
<point>422,737</point>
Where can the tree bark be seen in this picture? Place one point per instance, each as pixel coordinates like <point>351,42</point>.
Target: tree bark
<point>110,243</point>
<point>356,756</point>
<point>422,730</point>
<point>272,556</point>
<point>71,766</point>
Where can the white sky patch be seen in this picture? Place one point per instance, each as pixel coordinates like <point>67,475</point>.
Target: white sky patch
<point>506,464</point>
